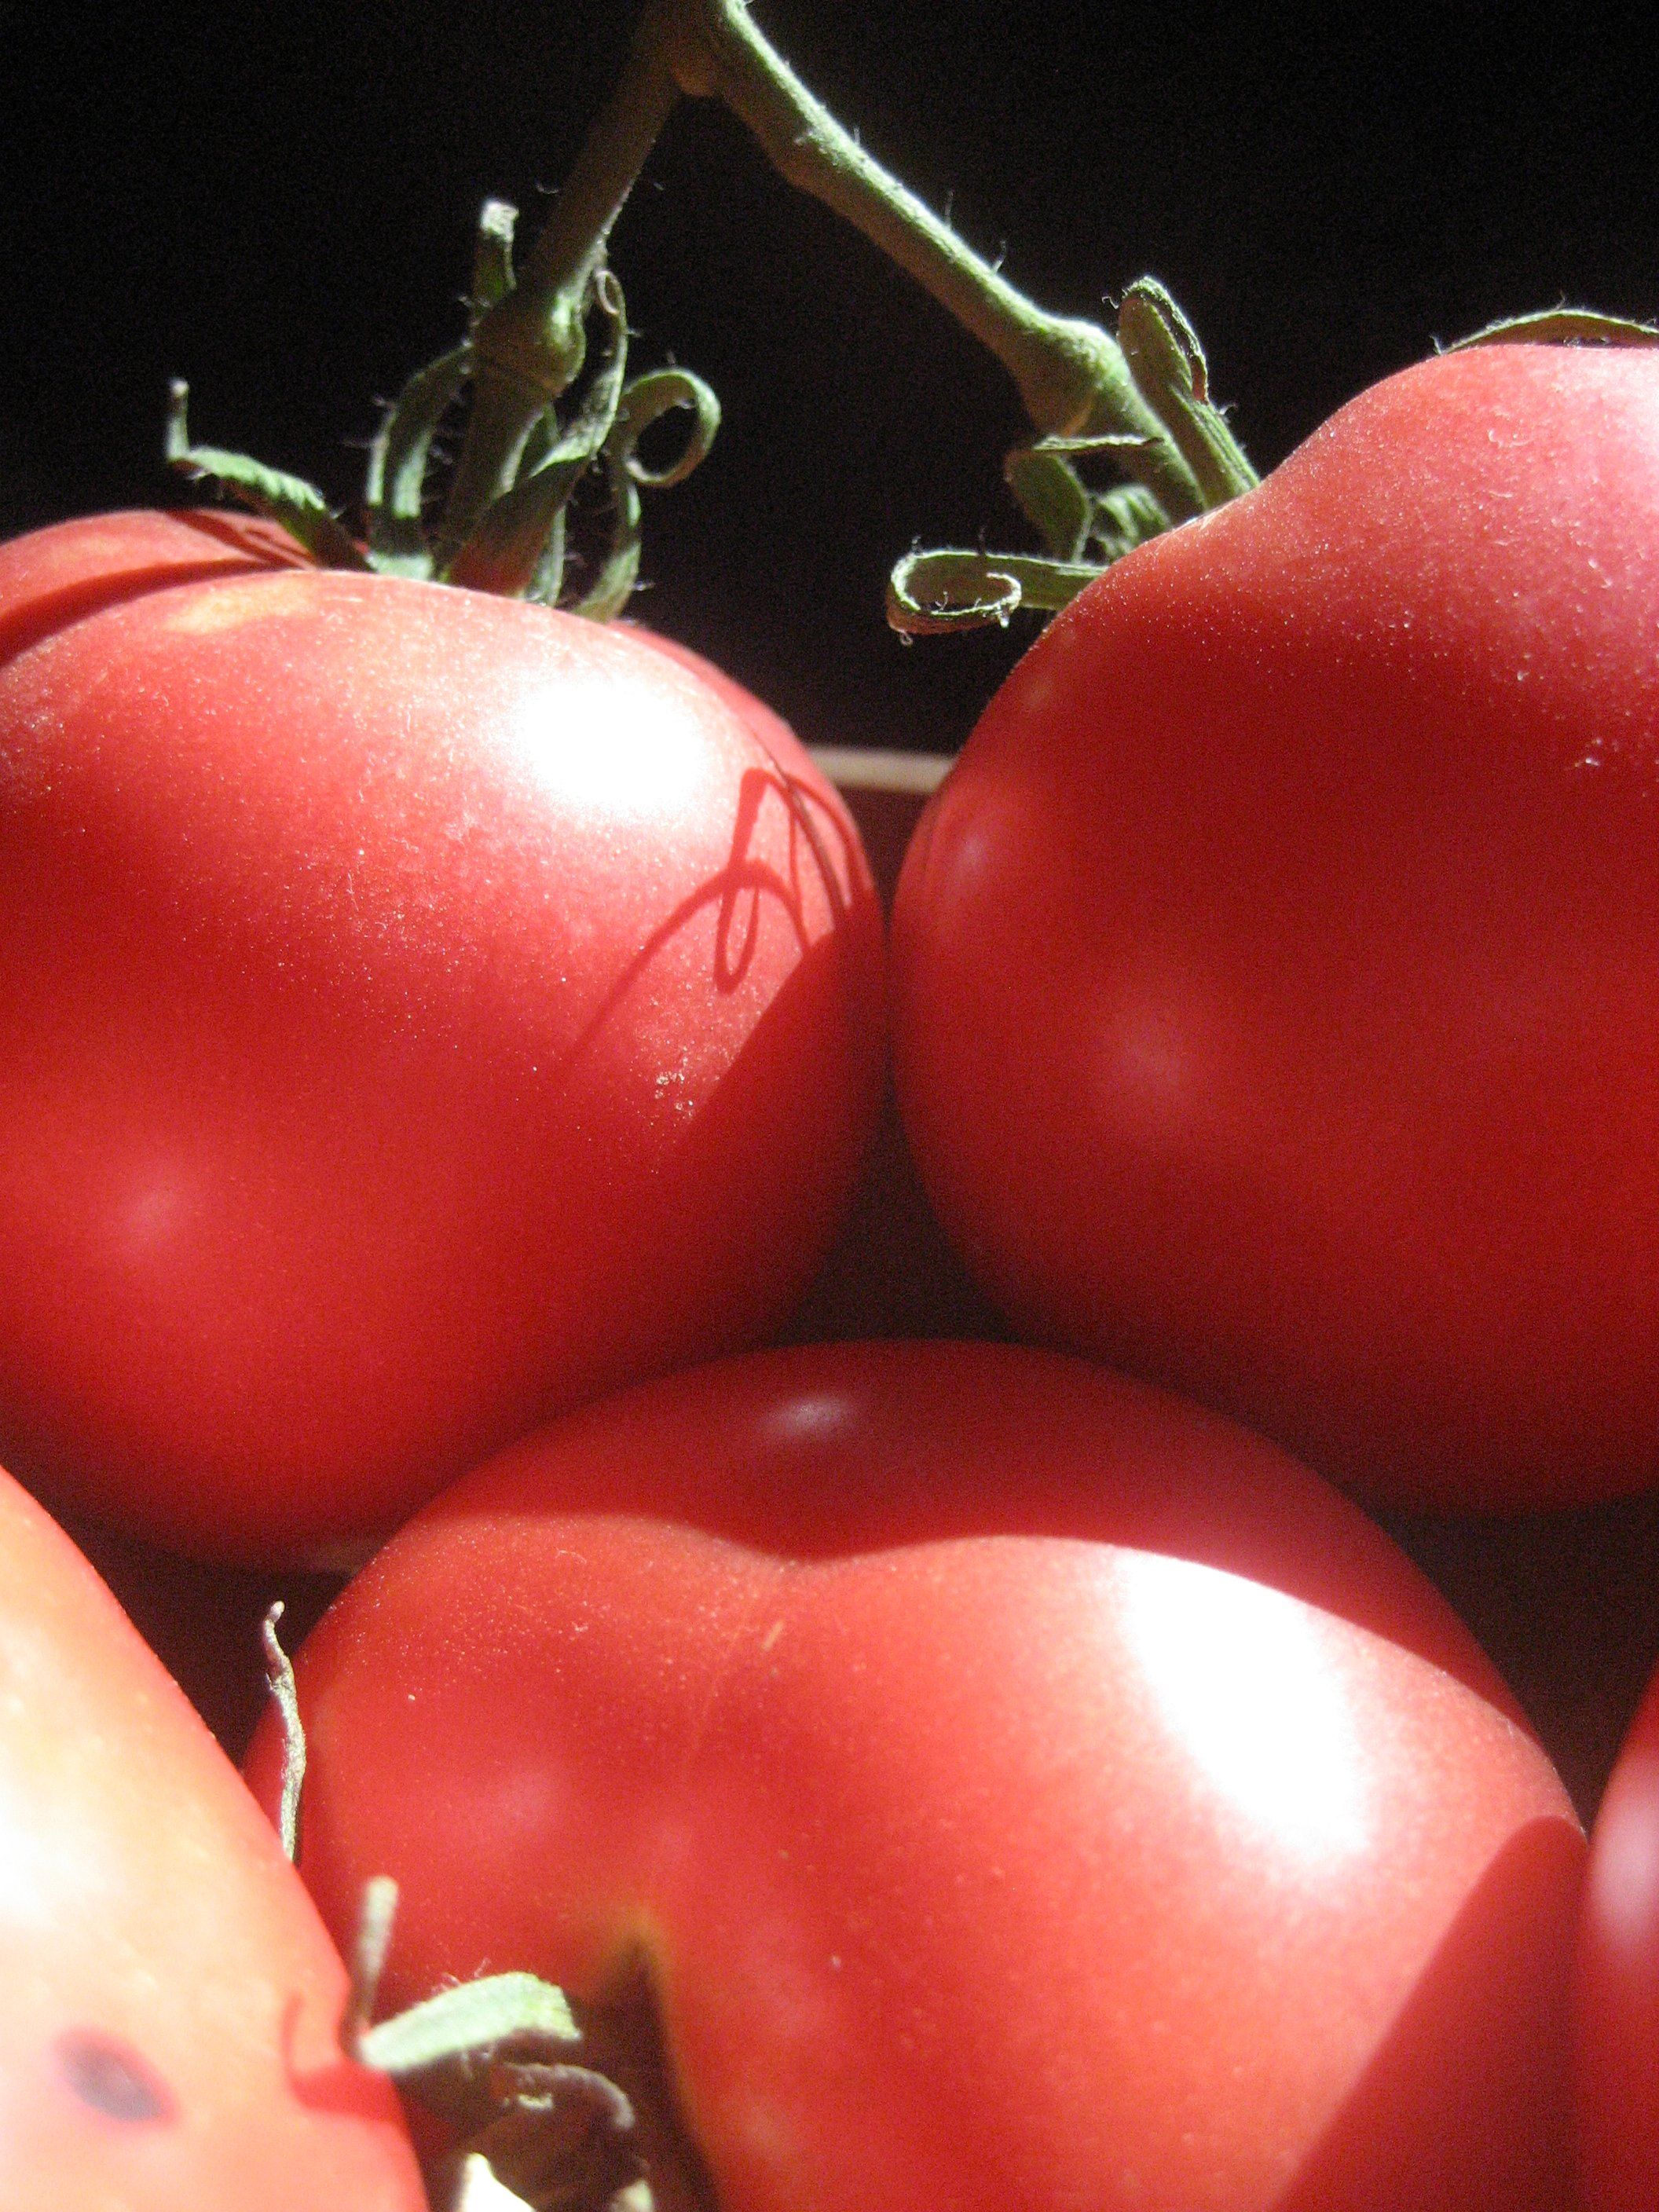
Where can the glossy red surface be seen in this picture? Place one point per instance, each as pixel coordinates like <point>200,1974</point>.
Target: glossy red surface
<point>1616,2001</point>
<point>169,2034</point>
<point>1272,975</point>
<point>417,1011</point>
<point>990,1840</point>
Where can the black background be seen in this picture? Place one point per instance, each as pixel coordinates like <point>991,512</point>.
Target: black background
<point>277,204</point>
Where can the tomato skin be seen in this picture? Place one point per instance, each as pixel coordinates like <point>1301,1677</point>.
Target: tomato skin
<point>766,722</point>
<point>53,577</point>
<point>1272,976</point>
<point>417,1011</point>
<point>160,1951</point>
<point>984,1850</point>
<point>1616,1998</point>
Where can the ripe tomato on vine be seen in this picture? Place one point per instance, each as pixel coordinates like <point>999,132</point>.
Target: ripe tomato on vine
<point>1270,1012</point>
<point>949,1773</point>
<point>421,1006</point>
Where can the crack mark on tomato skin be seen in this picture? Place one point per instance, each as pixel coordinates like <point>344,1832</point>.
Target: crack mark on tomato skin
<point>742,1633</point>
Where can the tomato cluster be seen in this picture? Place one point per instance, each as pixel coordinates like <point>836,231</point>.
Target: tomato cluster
<point>946,1773</point>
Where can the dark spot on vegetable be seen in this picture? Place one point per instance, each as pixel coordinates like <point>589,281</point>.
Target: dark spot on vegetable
<point>112,2077</point>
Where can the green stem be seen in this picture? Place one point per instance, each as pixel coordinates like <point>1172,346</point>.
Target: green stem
<point>1071,375</point>
<point>528,348</point>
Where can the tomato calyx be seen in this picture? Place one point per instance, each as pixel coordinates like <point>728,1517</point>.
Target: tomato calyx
<point>605,2135</point>
<point>523,2124</point>
<point>1083,529</point>
<point>1559,326</point>
<point>1138,397</point>
<point>530,466</point>
<point>559,524</point>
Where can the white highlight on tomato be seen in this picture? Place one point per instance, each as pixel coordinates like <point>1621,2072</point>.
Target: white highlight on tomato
<point>609,747</point>
<point>1242,1676</point>
<point>38,1862</point>
<point>159,1203</point>
<point>1626,1884</point>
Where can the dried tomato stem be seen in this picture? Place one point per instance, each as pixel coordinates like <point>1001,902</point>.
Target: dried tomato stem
<point>279,1681</point>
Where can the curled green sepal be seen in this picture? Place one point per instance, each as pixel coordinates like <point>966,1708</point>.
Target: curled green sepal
<point>561,2137</point>
<point>467,2022</point>
<point>645,402</point>
<point>929,593</point>
<point>1170,370</point>
<point>517,547</point>
<point>1560,326</point>
<point>398,462</point>
<point>299,507</point>
<point>663,391</point>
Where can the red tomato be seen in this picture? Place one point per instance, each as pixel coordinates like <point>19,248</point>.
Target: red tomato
<point>1021,1791</point>
<point>768,724</point>
<point>417,1011</point>
<point>1616,2003</point>
<point>1273,975</point>
<point>169,2034</point>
